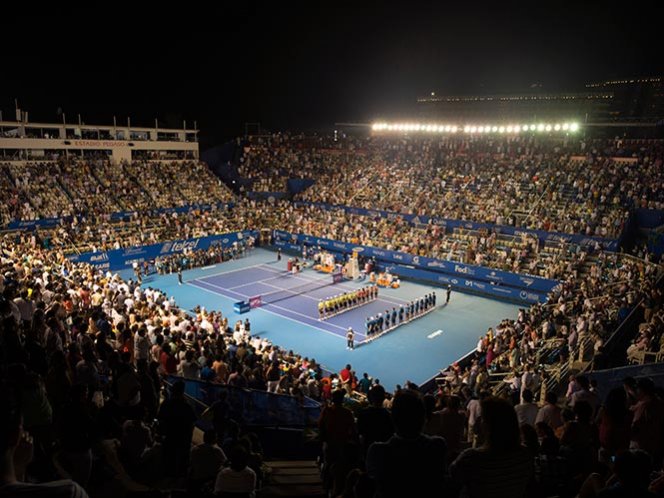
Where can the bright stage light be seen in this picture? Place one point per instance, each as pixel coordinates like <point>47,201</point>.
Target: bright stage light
<point>556,127</point>
<point>574,127</point>
<point>540,127</point>
<point>565,126</point>
<point>454,129</point>
<point>508,129</point>
<point>547,127</point>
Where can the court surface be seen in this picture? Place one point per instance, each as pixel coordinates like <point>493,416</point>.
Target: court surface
<point>414,351</point>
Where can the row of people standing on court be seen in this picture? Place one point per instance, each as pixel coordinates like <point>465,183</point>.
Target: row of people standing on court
<point>404,313</point>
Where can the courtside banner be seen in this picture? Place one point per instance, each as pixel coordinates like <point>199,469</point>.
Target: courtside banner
<point>461,284</point>
<point>450,225</point>
<point>119,259</point>
<point>459,270</point>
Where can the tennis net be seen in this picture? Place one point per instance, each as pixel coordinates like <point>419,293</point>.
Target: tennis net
<point>280,295</point>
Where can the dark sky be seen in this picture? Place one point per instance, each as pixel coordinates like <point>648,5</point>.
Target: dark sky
<point>307,66</point>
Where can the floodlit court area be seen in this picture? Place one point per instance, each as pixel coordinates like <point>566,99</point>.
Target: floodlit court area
<point>288,317</point>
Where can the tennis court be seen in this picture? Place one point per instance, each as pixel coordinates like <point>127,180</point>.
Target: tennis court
<point>414,351</point>
<point>296,296</point>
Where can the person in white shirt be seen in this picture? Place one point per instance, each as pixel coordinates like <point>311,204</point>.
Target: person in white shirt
<point>550,413</point>
<point>238,478</point>
<point>526,412</point>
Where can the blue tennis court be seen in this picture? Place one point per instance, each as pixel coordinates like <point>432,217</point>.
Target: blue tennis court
<point>297,296</point>
<point>414,351</point>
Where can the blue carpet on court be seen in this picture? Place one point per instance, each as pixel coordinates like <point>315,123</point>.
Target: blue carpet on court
<point>414,351</point>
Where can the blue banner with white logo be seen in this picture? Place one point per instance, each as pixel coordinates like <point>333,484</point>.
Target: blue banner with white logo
<point>498,291</point>
<point>459,270</point>
<point>119,259</point>
<point>450,225</point>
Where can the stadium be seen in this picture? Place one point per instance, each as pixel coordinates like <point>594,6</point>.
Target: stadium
<point>461,296</point>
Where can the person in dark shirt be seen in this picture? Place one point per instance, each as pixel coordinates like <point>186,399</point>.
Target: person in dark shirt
<point>409,463</point>
<point>176,423</point>
<point>374,423</point>
<point>502,467</point>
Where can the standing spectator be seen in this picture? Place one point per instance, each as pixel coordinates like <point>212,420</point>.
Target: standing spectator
<point>176,419</point>
<point>614,424</point>
<point>584,394</point>
<point>648,415</point>
<point>502,467</point>
<point>346,377</point>
<point>526,412</point>
<point>337,427</point>
<point>409,463</point>
<point>374,422</point>
<point>550,413</point>
<point>205,460</point>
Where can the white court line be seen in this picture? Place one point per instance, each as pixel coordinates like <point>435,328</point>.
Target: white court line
<point>279,307</point>
<point>224,272</point>
<point>278,276</point>
<point>271,312</point>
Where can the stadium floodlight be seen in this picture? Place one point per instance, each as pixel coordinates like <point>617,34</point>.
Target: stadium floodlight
<point>517,128</point>
<point>547,127</point>
<point>473,129</point>
<point>480,129</point>
<point>508,129</point>
<point>533,127</point>
<point>540,127</point>
<point>454,129</point>
<point>501,129</point>
<point>556,127</point>
<point>466,129</point>
<point>565,126</point>
<point>494,129</point>
<point>574,127</point>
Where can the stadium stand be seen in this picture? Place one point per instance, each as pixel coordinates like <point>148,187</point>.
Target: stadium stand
<point>87,355</point>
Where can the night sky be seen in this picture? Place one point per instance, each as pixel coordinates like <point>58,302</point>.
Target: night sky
<point>307,66</point>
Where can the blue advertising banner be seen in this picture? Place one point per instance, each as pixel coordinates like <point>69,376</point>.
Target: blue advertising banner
<point>457,270</point>
<point>469,285</point>
<point>450,225</point>
<point>119,259</point>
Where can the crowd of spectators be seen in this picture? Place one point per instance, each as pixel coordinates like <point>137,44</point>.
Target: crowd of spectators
<point>96,187</point>
<point>84,353</point>
<point>567,185</point>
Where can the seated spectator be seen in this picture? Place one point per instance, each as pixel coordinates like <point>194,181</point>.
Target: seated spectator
<point>409,463</point>
<point>502,467</point>
<point>16,452</point>
<point>237,480</point>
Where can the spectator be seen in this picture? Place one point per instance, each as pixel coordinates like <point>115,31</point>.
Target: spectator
<point>409,463</point>
<point>526,412</point>
<point>550,413</point>
<point>237,480</point>
<point>502,467</point>
<point>176,419</point>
